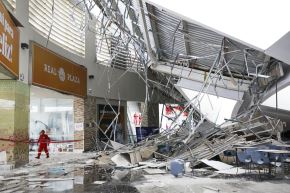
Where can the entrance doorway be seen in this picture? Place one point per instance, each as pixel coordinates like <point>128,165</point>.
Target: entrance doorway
<point>53,112</point>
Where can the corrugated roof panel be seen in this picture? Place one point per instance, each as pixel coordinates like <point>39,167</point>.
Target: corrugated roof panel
<point>205,44</point>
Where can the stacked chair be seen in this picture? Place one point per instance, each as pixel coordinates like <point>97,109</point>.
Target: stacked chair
<point>261,161</point>
<point>245,158</point>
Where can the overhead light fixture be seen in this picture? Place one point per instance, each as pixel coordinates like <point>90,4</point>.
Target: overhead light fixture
<point>7,104</point>
<point>189,56</point>
<point>57,109</point>
<point>260,75</point>
<point>33,109</point>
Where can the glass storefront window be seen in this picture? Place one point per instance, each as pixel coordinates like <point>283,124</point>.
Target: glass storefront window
<point>55,116</point>
<point>14,114</point>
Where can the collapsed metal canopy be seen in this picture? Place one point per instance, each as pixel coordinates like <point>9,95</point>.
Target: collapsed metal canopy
<point>182,42</point>
<point>168,52</point>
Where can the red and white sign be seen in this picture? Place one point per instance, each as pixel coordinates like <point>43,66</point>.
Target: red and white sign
<point>171,110</point>
<point>137,118</point>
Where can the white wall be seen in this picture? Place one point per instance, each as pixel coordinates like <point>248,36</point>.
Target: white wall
<point>132,108</point>
<point>129,87</point>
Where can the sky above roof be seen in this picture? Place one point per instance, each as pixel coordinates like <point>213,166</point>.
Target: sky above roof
<point>283,100</point>
<point>216,109</point>
<point>259,23</point>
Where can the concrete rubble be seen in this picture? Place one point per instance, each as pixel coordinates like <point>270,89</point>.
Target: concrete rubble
<point>105,170</point>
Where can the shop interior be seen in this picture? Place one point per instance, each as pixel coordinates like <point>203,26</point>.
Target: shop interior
<point>53,112</point>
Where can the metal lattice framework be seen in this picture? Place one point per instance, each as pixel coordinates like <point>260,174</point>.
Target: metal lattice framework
<point>164,49</point>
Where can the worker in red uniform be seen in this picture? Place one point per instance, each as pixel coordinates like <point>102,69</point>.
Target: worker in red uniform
<point>43,142</point>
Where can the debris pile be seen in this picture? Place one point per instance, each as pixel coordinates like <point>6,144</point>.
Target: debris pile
<point>195,144</point>
<point>232,69</point>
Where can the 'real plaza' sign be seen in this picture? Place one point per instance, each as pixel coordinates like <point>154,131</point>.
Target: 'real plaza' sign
<point>9,42</point>
<point>61,74</point>
<point>55,72</point>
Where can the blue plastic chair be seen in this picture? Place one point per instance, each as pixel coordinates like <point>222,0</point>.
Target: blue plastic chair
<point>260,159</point>
<point>244,158</point>
<point>281,157</point>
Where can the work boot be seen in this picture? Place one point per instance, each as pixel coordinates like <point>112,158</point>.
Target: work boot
<point>38,155</point>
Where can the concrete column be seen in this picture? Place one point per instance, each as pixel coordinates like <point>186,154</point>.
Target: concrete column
<point>79,119</point>
<point>22,14</point>
<point>85,114</point>
<point>14,121</point>
<point>150,114</point>
<point>90,58</point>
<point>90,130</point>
